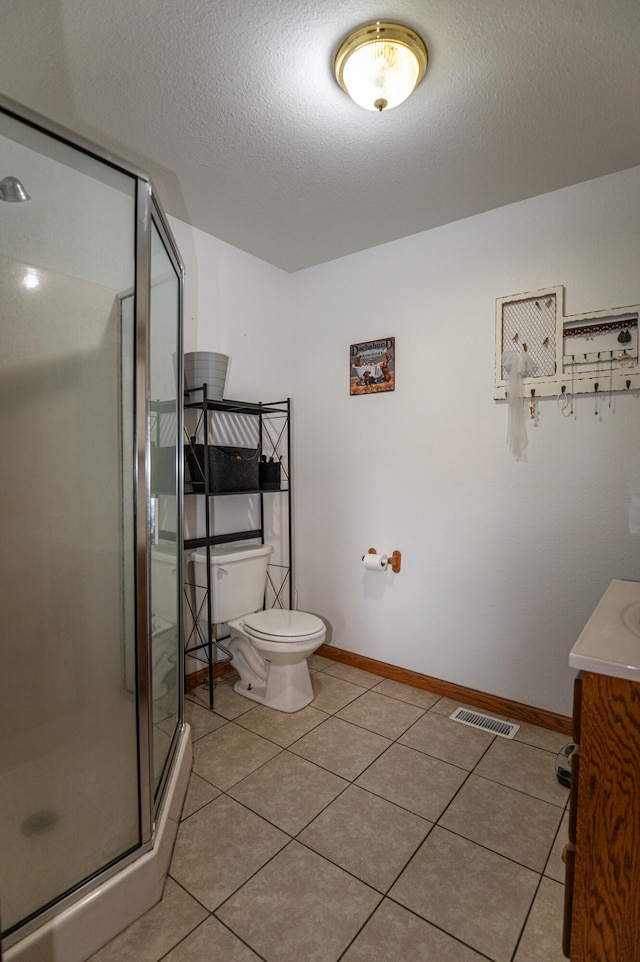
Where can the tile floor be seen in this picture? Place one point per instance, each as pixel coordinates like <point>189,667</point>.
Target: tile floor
<point>366,828</point>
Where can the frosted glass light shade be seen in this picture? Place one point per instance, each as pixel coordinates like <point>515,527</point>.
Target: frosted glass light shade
<point>380,65</point>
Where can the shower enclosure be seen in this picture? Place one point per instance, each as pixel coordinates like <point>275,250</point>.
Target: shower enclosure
<point>94,754</point>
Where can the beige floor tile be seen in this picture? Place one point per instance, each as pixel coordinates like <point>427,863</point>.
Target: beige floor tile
<point>357,676</point>
<point>448,740</point>
<point>157,931</point>
<point>202,720</point>
<point>555,867</point>
<point>226,701</point>
<point>394,933</point>
<point>281,727</point>
<point>414,696</point>
<point>542,938</point>
<point>378,713</point>
<point>366,835</point>
<point>319,662</point>
<point>331,693</point>
<point>525,768</point>
<point>199,794</point>
<point>211,942</point>
<point>225,756</point>
<point>220,847</point>
<point>508,822</point>
<point>288,791</point>
<point>476,896</point>
<point>417,782</point>
<point>299,907</point>
<point>340,747</point>
<point>199,695</point>
<point>447,706</point>
<point>544,738</point>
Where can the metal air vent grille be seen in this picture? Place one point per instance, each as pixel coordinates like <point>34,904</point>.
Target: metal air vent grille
<point>485,722</point>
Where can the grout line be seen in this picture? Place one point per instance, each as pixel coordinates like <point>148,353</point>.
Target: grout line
<point>240,939</point>
<point>184,889</point>
<point>486,848</point>
<point>410,811</point>
<point>520,791</point>
<point>432,825</point>
<point>186,934</point>
<point>434,925</point>
<point>253,874</point>
<point>526,919</point>
<point>561,805</point>
<point>364,924</point>
<point>266,819</point>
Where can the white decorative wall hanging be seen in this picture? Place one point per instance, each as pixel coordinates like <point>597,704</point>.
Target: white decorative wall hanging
<point>562,356</point>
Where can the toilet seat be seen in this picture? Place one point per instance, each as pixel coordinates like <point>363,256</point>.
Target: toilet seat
<point>283,626</point>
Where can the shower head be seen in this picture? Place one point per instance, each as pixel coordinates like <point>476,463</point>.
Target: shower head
<point>12,190</point>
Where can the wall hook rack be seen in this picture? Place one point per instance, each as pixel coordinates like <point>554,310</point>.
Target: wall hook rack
<point>583,347</point>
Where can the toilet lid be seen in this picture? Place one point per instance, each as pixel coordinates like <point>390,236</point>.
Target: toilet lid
<point>283,623</point>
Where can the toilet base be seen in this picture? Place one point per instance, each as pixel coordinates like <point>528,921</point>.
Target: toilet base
<point>275,674</point>
<point>287,688</point>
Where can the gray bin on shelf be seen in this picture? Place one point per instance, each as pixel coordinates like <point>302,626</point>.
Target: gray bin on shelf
<point>205,367</point>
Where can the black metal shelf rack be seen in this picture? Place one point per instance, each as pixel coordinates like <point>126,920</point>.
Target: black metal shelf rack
<point>273,422</point>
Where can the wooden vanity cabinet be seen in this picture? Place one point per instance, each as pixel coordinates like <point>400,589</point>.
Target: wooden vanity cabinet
<point>602,893</point>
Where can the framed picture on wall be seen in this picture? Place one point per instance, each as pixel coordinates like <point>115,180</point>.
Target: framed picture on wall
<point>372,366</point>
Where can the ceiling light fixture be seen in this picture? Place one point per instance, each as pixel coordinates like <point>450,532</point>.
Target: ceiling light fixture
<point>380,64</point>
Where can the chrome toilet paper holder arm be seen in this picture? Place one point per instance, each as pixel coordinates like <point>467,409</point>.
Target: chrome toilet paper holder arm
<point>393,560</point>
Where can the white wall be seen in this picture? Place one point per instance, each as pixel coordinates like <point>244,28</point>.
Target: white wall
<point>503,562</point>
<point>238,305</point>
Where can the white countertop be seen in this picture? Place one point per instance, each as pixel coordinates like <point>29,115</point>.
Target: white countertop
<point>609,643</point>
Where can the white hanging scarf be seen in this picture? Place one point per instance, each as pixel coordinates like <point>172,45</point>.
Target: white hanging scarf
<point>517,365</point>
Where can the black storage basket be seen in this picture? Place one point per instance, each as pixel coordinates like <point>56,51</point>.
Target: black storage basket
<point>230,468</point>
<point>269,474</point>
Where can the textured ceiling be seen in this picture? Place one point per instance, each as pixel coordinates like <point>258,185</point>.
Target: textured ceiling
<point>232,107</point>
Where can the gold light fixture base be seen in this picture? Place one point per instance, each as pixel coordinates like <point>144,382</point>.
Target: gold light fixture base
<point>380,64</point>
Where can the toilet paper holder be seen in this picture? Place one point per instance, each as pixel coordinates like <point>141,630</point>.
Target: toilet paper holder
<point>393,560</point>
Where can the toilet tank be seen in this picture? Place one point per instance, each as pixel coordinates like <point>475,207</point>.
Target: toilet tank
<point>238,579</point>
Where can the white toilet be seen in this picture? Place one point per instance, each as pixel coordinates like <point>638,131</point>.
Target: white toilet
<point>269,648</point>
<point>164,635</point>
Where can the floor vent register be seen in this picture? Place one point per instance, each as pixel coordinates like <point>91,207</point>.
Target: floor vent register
<point>485,722</point>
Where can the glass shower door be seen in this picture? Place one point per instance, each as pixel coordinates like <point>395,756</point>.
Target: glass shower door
<point>69,783</point>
